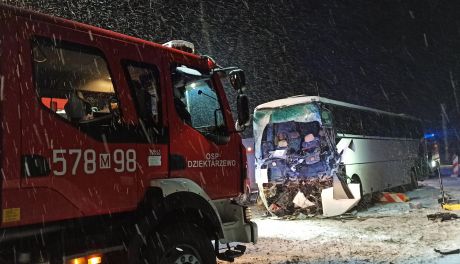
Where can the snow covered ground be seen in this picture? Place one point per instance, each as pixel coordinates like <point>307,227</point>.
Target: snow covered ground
<point>385,233</point>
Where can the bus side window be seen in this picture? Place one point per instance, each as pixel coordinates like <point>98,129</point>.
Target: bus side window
<point>376,124</point>
<point>340,120</point>
<point>399,127</point>
<point>416,129</point>
<point>326,117</point>
<point>370,120</point>
<point>355,124</point>
<point>385,126</point>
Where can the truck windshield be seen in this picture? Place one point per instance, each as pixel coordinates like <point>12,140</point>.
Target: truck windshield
<point>196,100</point>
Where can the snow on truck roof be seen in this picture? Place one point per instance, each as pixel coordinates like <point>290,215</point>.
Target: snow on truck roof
<point>303,99</point>
<point>38,16</point>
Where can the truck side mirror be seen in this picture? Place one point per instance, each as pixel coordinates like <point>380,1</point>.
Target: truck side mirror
<point>242,105</point>
<point>237,79</point>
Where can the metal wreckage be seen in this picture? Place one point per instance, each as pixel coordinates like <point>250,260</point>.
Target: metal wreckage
<point>297,161</point>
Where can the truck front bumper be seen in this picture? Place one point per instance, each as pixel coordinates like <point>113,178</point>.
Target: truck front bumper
<point>244,233</point>
<point>235,227</point>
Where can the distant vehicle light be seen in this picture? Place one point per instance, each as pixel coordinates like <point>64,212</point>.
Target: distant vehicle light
<point>78,261</point>
<point>95,260</point>
<point>426,136</point>
<point>248,149</point>
<point>91,259</point>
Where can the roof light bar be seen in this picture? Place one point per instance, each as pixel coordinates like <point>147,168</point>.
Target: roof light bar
<point>181,45</point>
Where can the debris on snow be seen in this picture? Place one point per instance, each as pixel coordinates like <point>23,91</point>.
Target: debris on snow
<point>455,251</point>
<point>415,206</point>
<point>301,201</point>
<point>293,197</point>
<point>442,217</point>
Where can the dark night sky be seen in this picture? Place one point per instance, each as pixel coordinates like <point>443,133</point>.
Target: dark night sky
<point>393,55</point>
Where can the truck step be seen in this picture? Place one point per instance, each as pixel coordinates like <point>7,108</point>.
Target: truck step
<point>253,197</point>
<point>231,254</point>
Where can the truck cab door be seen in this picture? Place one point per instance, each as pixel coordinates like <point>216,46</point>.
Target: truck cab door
<point>79,137</point>
<point>201,148</point>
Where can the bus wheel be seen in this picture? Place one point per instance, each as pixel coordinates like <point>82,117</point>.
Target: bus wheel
<point>366,200</point>
<point>355,179</point>
<point>182,243</point>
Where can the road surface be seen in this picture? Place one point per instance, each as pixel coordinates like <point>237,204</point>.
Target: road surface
<point>385,233</point>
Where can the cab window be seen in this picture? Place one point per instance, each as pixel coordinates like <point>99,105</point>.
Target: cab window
<point>143,80</point>
<point>73,81</point>
<point>197,102</point>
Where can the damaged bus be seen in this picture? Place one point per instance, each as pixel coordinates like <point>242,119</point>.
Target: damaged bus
<point>305,144</point>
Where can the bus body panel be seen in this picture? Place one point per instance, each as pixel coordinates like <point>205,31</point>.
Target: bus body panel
<point>380,163</point>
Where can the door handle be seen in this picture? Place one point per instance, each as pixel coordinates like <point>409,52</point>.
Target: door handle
<point>35,166</point>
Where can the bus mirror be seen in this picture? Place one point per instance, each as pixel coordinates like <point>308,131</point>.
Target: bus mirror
<point>243,110</point>
<point>237,79</point>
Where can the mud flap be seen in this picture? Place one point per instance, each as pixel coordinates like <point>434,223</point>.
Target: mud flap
<point>334,207</point>
<point>340,188</point>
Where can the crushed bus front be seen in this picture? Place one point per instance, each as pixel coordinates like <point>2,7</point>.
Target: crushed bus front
<point>297,160</point>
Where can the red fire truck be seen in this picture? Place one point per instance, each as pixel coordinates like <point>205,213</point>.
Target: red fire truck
<point>116,149</point>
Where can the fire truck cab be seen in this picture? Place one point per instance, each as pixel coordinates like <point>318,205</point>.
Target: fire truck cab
<point>113,144</point>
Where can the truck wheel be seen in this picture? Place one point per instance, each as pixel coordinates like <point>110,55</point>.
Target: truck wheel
<point>355,179</point>
<point>182,243</point>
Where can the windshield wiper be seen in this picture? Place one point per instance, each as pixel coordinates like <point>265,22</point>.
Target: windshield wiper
<point>205,94</point>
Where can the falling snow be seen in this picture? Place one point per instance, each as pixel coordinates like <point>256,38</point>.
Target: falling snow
<point>344,51</point>
<point>400,56</point>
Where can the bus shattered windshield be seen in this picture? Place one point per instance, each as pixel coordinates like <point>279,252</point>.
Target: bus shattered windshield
<point>295,154</point>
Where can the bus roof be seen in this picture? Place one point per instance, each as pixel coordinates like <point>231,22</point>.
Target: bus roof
<point>303,99</point>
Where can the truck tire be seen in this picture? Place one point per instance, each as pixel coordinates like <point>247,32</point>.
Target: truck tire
<point>181,243</point>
